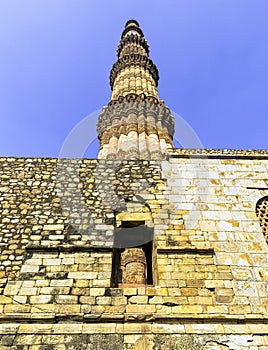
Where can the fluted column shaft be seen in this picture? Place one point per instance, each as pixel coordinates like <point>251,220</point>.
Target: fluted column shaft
<point>135,124</point>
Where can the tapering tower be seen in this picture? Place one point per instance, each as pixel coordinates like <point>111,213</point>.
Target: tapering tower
<point>136,124</point>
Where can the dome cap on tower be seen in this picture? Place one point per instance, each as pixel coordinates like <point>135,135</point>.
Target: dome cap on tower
<point>132,26</point>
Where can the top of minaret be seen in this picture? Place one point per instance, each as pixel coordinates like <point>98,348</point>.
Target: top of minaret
<point>133,49</point>
<point>132,27</point>
<point>136,124</point>
<point>132,22</point>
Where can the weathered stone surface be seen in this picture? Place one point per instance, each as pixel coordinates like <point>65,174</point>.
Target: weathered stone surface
<point>206,259</point>
<point>133,265</point>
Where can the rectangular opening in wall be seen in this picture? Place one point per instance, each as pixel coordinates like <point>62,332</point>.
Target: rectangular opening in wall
<point>132,255</point>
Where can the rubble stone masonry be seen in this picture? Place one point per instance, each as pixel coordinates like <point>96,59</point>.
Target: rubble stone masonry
<point>209,253</point>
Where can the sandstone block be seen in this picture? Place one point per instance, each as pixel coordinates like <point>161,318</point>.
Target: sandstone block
<point>54,290</point>
<point>217,309</point>
<point>173,300</point>
<point>12,288</point>
<point>119,300</point>
<point>67,261</point>
<point>52,262</point>
<point>201,300</point>
<point>54,227</point>
<point>16,308</point>
<point>72,328</point>
<point>41,299</point>
<point>224,299</point>
<point>101,283</point>
<point>42,283</point>
<point>44,308</point>
<point>69,309</point>
<point>168,328</point>
<point>214,284</point>
<point>138,299</point>
<point>129,291</point>
<point>115,310</point>
<point>197,283</point>
<point>35,262</point>
<point>81,283</point>
<point>245,288</point>
<point>105,300</point>
<point>189,291</point>
<point>82,275</point>
<point>238,310</point>
<point>5,300</point>
<point>101,328</point>
<point>174,291</point>
<point>29,269</point>
<point>28,339</point>
<point>35,328</point>
<point>156,300</point>
<point>61,283</point>
<point>97,291</point>
<point>140,309</point>
<point>80,291</point>
<point>27,291</point>
<point>22,299</point>
<point>66,299</point>
<point>187,309</point>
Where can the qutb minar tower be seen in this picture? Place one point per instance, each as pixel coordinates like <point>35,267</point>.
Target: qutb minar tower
<point>136,124</point>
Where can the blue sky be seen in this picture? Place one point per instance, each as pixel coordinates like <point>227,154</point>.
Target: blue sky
<point>56,55</point>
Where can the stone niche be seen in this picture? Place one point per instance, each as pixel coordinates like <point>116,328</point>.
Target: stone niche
<point>132,255</point>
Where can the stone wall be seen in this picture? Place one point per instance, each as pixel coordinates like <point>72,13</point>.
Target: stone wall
<point>138,336</point>
<point>209,255</point>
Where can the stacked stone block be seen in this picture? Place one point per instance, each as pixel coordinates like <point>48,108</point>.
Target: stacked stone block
<point>210,256</point>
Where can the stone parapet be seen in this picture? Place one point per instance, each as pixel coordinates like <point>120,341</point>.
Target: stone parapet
<point>219,153</point>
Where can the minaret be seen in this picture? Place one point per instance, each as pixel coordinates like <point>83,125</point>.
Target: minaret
<point>135,124</point>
